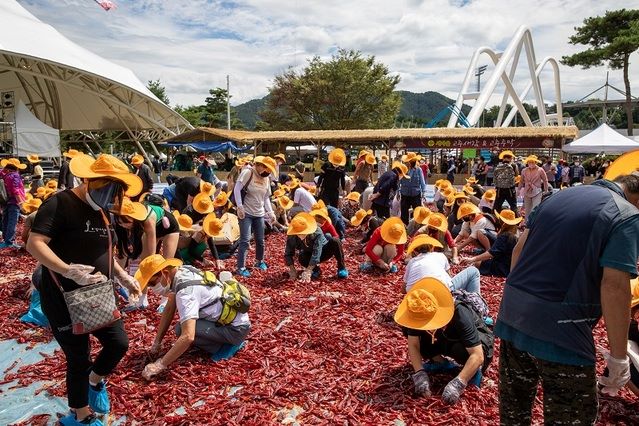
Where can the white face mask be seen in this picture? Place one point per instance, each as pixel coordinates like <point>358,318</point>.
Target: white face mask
<point>161,290</point>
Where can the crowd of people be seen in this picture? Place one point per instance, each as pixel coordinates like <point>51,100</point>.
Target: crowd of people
<point>139,242</point>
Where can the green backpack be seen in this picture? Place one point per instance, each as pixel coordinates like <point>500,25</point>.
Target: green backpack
<point>235,298</point>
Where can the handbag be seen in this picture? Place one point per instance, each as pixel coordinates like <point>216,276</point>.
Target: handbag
<point>92,307</point>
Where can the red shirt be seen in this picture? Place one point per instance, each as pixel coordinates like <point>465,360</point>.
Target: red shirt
<point>377,240</point>
<point>329,228</point>
<point>448,238</point>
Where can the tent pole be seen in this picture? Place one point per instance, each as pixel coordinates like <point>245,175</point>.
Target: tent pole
<point>155,149</point>
<point>86,145</point>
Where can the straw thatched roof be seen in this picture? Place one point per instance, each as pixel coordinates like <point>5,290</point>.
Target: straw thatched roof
<point>206,134</point>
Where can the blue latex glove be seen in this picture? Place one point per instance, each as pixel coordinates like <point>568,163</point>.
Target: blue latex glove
<point>453,391</point>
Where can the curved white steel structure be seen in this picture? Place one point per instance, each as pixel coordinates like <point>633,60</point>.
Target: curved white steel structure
<point>511,55</point>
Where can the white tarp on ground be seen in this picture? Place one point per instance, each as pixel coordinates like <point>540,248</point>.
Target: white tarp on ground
<point>602,139</point>
<point>33,136</point>
<point>70,88</point>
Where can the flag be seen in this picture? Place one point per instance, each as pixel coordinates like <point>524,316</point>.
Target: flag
<point>106,4</point>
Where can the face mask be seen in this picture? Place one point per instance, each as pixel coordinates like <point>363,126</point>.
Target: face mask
<point>160,288</point>
<point>576,163</point>
<point>265,174</point>
<point>102,195</point>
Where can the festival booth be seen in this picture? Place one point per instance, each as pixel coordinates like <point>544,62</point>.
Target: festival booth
<point>602,139</point>
<point>32,136</point>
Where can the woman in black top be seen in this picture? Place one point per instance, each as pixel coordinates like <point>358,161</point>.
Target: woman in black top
<point>72,238</point>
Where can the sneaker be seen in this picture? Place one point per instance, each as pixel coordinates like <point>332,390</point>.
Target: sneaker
<point>243,273</point>
<point>3,245</point>
<point>70,420</point>
<point>489,321</point>
<point>14,246</point>
<point>261,265</point>
<point>393,269</point>
<point>316,274</point>
<point>99,398</point>
<point>365,267</point>
<point>342,273</point>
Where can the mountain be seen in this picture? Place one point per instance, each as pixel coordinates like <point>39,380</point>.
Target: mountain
<point>417,108</point>
<point>247,112</point>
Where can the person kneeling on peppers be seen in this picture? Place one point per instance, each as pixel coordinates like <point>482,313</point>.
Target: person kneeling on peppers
<point>314,248</point>
<point>386,246</point>
<point>213,314</point>
<point>436,326</point>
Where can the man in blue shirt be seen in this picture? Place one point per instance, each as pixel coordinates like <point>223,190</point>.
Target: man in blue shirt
<point>556,294</point>
<point>205,170</point>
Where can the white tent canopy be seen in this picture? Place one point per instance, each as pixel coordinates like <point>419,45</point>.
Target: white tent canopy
<point>602,139</point>
<point>71,88</point>
<point>33,136</point>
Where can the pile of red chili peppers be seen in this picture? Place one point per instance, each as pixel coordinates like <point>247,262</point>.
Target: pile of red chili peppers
<point>327,352</point>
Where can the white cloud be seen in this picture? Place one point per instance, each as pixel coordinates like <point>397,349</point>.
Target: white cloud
<point>192,45</point>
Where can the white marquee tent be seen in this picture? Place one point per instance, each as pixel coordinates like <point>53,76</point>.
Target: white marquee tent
<point>33,136</point>
<point>602,139</point>
<point>72,89</point>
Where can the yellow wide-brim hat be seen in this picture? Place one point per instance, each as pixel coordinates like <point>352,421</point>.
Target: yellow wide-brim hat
<point>71,153</point>
<point>285,202</point>
<point>506,153</point>
<point>137,160</point>
<point>471,180</point>
<point>302,224</point>
<point>207,187</point>
<point>337,157</point>
<point>84,166</point>
<point>132,209</point>
<point>31,205</point>
<point>278,193</point>
<point>33,158</point>
<point>222,199</point>
<point>624,165</point>
<point>420,214</point>
<point>359,216</point>
<point>532,158</point>
<point>184,221</point>
<point>393,231</point>
<point>370,159</point>
<point>353,196</point>
<point>508,217</point>
<point>212,226</point>
<point>281,157</point>
<point>151,265</point>
<point>468,190</point>
<point>467,209</point>
<point>490,195</point>
<point>321,213</point>
<point>267,162</point>
<point>53,184</point>
<point>403,170</point>
<point>202,203</point>
<point>423,240</point>
<point>438,221</point>
<point>428,305</point>
<point>411,156</point>
<point>14,162</point>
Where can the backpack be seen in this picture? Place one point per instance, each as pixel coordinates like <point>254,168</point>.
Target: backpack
<point>153,200</point>
<point>242,192</point>
<point>474,302</point>
<point>4,197</point>
<point>235,298</point>
<point>504,176</point>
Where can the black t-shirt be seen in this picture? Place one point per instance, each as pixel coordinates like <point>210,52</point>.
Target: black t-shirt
<point>502,251</point>
<point>78,235</point>
<point>452,340</point>
<point>187,186</point>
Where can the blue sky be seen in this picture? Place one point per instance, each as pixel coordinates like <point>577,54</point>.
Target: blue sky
<point>191,45</point>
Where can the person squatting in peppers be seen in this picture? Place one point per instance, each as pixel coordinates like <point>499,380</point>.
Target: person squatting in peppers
<point>210,317</point>
<point>436,326</point>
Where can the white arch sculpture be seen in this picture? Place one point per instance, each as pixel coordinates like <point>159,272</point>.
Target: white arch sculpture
<point>521,40</point>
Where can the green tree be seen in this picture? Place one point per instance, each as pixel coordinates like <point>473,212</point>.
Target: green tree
<point>350,91</point>
<point>193,114</point>
<point>214,111</point>
<point>612,39</point>
<point>158,90</point>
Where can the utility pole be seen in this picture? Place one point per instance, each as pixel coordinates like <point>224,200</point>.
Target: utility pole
<point>228,103</point>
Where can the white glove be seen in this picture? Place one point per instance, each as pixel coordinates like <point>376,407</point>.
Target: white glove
<point>240,212</point>
<point>306,277</point>
<point>618,375</point>
<point>270,216</point>
<point>153,369</point>
<point>82,274</point>
<point>131,284</point>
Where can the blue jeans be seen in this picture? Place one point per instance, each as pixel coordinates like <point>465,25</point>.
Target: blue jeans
<point>256,224</point>
<point>10,215</point>
<point>467,280</point>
